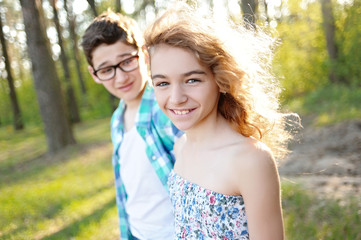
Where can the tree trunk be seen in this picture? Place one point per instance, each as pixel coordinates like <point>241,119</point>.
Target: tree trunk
<point>57,127</point>
<point>74,37</point>
<point>18,122</point>
<point>265,4</point>
<point>249,9</point>
<point>72,105</point>
<point>118,6</point>
<point>329,27</point>
<point>93,7</point>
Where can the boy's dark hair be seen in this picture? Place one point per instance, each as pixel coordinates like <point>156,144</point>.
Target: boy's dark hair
<point>108,28</point>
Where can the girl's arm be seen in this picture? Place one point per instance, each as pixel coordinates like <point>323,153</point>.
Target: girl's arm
<point>260,187</point>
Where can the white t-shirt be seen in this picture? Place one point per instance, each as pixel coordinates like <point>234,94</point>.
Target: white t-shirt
<point>148,204</point>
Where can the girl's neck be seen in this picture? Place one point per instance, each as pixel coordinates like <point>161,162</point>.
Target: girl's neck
<point>207,131</point>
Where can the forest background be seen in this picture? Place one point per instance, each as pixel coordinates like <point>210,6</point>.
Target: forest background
<point>56,180</point>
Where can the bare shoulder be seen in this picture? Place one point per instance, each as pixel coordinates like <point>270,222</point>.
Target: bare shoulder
<point>253,164</point>
<point>257,154</point>
<point>251,153</point>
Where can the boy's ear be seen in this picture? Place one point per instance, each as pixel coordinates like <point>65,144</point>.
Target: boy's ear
<point>91,71</point>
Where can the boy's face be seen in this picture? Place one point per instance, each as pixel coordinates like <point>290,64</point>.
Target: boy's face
<point>128,86</point>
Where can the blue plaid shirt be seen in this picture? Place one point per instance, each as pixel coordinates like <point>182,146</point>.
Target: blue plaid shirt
<point>159,135</point>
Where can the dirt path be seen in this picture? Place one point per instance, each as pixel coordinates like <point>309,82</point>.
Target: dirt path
<point>327,160</point>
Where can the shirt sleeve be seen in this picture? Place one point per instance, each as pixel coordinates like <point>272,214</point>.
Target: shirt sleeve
<point>168,133</point>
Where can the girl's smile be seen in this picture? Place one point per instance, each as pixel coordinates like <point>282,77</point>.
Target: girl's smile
<point>181,112</point>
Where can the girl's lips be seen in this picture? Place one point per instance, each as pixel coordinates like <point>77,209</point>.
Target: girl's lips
<point>126,87</point>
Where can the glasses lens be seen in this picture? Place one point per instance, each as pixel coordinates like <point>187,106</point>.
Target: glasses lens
<point>129,64</point>
<point>126,65</point>
<point>106,73</point>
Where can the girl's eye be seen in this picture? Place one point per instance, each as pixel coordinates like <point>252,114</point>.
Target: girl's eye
<point>193,81</point>
<point>161,84</point>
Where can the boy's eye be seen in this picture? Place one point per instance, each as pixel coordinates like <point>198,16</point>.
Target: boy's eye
<point>130,62</point>
<point>105,70</point>
<point>127,61</point>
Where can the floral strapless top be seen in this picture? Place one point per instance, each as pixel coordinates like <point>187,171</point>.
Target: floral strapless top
<point>204,214</point>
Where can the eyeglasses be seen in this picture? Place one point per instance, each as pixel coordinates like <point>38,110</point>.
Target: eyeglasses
<point>127,65</point>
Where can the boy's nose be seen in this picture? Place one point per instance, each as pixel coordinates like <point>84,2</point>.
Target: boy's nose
<point>120,76</point>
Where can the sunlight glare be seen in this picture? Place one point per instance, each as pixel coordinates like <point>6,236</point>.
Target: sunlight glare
<point>79,6</point>
<point>128,6</point>
<point>234,7</point>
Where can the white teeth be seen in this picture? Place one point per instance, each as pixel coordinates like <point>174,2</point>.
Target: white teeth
<point>182,112</point>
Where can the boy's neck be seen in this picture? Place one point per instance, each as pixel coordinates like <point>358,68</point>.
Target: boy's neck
<point>129,117</point>
<point>130,112</point>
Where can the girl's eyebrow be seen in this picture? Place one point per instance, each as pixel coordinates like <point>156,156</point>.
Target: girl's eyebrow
<point>187,74</point>
<point>158,76</point>
<point>194,72</point>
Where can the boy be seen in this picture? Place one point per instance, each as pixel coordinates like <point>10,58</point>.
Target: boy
<point>142,135</point>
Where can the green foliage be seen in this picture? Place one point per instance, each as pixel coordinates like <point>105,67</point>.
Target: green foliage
<point>28,104</point>
<point>329,104</point>
<point>300,58</point>
<point>94,105</point>
<point>349,42</point>
<point>98,101</point>
<point>307,216</point>
<point>106,4</point>
<point>5,117</point>
<point>302,61</point>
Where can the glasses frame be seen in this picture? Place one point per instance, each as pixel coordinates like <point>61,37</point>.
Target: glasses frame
<point>95,72</point>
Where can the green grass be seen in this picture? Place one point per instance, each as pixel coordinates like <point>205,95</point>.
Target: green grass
<point>71,195</point>
<point>328,105</point>
<point>67,196</point>
<point>307,216</point>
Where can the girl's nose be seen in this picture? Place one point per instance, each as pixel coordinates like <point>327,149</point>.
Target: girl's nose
<point>178,95</point>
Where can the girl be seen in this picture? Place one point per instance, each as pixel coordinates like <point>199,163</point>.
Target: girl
<point>215,87</point>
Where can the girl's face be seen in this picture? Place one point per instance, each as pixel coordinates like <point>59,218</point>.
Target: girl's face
<point>185,90</point>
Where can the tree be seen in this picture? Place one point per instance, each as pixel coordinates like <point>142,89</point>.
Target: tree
<point>249,9</point>
<point>329,28</point>
<point>47,85</point>
<point>93,7</point>
<point>118,6</point>
<point>70,95</point>
<point>265,4</point>
<point>18,122</point>
<point>74,37</point>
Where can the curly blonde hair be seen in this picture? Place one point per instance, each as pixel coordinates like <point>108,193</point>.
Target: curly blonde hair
<point>240,60</point>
